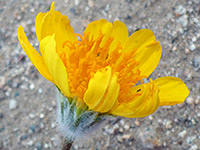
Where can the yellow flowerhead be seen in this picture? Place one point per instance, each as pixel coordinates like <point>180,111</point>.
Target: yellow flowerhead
<point>102,68</point>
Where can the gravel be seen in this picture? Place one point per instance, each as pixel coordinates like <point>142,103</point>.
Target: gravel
<point>27,100</point>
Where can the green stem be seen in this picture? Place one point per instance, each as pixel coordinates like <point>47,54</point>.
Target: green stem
<point>67,145</point>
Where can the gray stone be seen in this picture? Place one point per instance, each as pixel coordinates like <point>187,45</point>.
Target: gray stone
<point>196,62</point>
<point>190,139</point>
<point>38,146</point>
<point>23,137</point>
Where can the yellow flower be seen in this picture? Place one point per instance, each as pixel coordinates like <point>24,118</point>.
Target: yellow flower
<point>102,68</point>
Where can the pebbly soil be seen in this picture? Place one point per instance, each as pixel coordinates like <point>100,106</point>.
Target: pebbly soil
<point>27,100</point>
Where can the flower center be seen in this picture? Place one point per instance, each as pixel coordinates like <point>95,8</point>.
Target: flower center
<point>88,55</point>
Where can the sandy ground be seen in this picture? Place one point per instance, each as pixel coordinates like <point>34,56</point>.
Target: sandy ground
<point>27,100</point>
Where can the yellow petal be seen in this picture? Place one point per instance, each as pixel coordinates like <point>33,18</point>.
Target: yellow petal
<point>55,64</point>
<point>148,51</point>
<point>139,39</point>
<point>95,27</point>
<point>141,105</point>
<point>110,98</point>
<point>38,24</point>
<point>97,87</point>
<point>33,55</point>
<point>172,90</point>
<point>119,33</point>
<point>53,22</point>
<point>148,58</point>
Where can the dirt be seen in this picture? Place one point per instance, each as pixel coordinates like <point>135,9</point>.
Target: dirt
<point>27,100</point>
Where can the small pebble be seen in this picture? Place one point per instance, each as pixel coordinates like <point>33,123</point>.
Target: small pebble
<point>193,147</point>
<point>41,116</point>
<point>126,136</point>
<point>90,3</point>
<point>196,62</point>
<point>192,47</point>
<point>190,100</point>
<point>31,116</point>
<point>182,134</point>
<point>122,122</point>
<point>53,125</point>
<point>194,39</point>
<point>180,10</point>
<point>32,86</point>
<point>150,117</point>
<point>183,20</point>
<point>137,122</point>
<point>75,146</point>
<point>2,81</point>
<point>126,127</point>
<point>30,143</point>
<point>121,130</point>
<point>40,90</point>
<point>109,129</point>
<point>38,146</point>
<point>23,137</point>
<point>197,101</point>
<point>76,2</point>
<point>55,141</point>
<point>119,138</point>
<point>187,51</point>
<point>190,139</point>
<point>12,104</point>
<point>169,124</point>
<point>174,49</point>
<point>46,146</point>
<point>32,128</point>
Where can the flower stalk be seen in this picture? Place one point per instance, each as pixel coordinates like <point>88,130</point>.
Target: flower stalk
<point>67,144</point>
<point>75,122</point>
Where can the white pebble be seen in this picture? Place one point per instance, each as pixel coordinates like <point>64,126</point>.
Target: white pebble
<point>46,145</point>
<point>182,134</point>
<point>32,86</point>
<point>190,100</point>
<point>180,10</point>
<point>183,20</point>
<point>13,104</point>
<point>169,124</point>
<point>40,90</point>
<point>53,125</point>
<point>122,122</point>
<point>126,127</point>
<point>194,39</point>
<point>30,143</point>
<point>76,2</point>
<point>41,116</point>
<point>126,136</point>
<point>192,47</point>
<point>75,146</point>
<point>193,147</point>
<point>31,116</point>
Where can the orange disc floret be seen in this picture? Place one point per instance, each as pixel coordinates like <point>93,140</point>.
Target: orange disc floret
<point>88,55</point>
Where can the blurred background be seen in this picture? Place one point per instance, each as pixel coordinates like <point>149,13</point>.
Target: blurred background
<point>28,101</point>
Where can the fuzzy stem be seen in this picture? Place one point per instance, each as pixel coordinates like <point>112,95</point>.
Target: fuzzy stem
<point>66,145</point>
